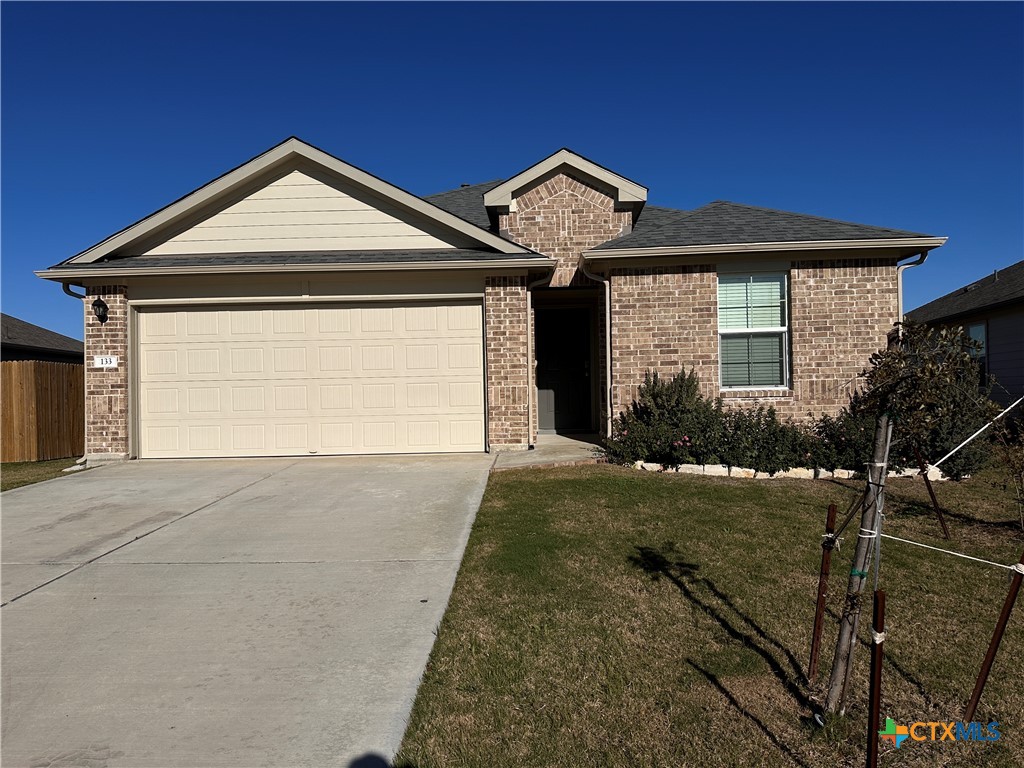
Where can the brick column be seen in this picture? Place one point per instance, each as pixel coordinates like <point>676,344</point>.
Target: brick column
<point>106,390</point>
<point>505,334</point>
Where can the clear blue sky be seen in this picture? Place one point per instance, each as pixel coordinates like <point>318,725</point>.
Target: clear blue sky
<point>900,115</point>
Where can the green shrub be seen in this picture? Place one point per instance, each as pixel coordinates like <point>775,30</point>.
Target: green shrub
<point>845,441</point>
<point>929,385</point>
<point>755,438</point>
<point>671,423</point>
<point>668,423</point>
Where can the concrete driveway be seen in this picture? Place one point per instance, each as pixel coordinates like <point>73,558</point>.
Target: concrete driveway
<point>264,612</point>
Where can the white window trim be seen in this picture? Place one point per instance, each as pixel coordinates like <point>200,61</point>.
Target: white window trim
<point>787,384</point>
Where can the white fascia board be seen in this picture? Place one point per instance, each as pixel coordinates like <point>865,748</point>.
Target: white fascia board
<point>924,243</point>
<point>75,276</point>
<point>291,149</point>
<point>626,191</point>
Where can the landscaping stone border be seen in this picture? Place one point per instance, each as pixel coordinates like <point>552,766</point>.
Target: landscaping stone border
<point>800,473</point>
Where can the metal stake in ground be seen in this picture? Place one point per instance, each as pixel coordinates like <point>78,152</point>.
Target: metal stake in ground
<point>997,638</point>
<point>875,695</point>
<point>931,491</point>
<point>828,543</point>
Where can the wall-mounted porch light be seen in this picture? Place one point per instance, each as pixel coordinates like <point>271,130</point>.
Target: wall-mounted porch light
<point>100,309</point>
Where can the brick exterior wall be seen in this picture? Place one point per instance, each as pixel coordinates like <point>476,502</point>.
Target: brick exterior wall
<point>666,319</point>
<point>106,390</point>
<point>505,340</point>
<point>561,218</point>
<point>842,310</point>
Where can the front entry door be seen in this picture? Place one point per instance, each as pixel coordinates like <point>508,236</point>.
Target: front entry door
<point>563,369</point>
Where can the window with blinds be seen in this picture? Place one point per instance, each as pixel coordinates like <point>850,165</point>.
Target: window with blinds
<point>753,329</point>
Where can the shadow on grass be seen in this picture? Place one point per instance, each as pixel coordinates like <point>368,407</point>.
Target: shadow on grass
<point>912,508</point>
<point>736,624</point>
<point>769,734</point>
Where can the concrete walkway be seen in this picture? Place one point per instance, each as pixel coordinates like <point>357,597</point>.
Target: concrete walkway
<point>552,451</point>
<point>265,612</point>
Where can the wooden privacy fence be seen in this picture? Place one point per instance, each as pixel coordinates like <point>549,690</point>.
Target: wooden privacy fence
<point>42,410</point>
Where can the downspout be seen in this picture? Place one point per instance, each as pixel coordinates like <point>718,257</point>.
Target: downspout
<point>69,292</point>
<point>67,289</point>
<point>531,367</point>
<point>921,258</point>
<point>607,343</point>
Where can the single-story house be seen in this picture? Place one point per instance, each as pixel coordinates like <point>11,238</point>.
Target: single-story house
<point>20,340</point>
<point>300,305</point>
<point>991,311</point>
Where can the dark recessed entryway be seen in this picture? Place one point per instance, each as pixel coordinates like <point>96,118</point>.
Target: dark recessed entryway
<point>565,368</point>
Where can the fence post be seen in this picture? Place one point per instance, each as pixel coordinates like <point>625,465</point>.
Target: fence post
<point>828,542</point>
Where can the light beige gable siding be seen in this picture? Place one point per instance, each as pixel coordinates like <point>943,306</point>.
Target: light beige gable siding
<point>300,213</point>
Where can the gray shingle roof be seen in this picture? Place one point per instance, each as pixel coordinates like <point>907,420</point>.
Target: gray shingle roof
<point>18,333</point>
<point>722,222</point>
<point>466,202</point>
<point>652,217</point>
<point>717,223</point>
<point>1003,287</point>
<point>302,257</point>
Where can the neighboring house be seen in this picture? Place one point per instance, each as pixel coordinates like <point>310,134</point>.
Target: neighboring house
<point>299,305</point>
<point>991,311</point>
<point>23,341</point>
<point>42,395</point>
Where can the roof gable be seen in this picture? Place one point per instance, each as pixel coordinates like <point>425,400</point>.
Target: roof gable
<point>271,167</point>
<point>300,212</point>
<point>624,190</point>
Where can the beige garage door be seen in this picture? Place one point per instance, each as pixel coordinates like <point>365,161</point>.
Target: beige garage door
<point>286,381</point>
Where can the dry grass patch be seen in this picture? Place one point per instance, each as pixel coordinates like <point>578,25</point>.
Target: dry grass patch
<point>604,617</point>
<point>15,474</point>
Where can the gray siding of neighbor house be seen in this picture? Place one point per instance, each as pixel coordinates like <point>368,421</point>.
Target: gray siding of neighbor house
<point>1005,349</point>
<point>1006,353</point>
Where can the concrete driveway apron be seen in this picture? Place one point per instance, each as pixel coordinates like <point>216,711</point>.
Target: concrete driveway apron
<point>264,612</point>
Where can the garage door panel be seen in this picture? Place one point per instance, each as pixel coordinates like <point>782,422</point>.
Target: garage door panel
<point>181,401</point>
<point>292,381</point>
<point>279,436</point>
<point>215,361</point>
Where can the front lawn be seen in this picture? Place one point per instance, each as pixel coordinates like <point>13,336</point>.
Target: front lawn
<point>14,474</point>
<point>608,617</point>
